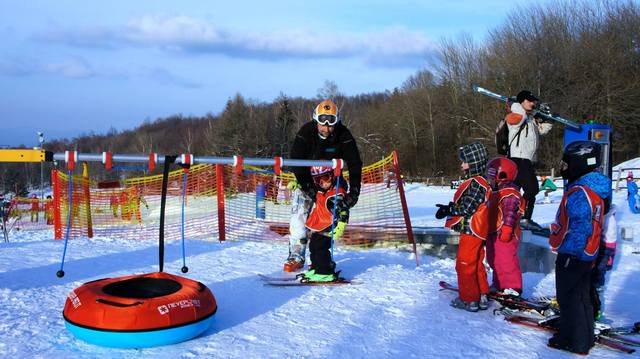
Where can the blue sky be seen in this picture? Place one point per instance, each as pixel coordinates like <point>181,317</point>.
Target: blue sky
<point>71,67</point>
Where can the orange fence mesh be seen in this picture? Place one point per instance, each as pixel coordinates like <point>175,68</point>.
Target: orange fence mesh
<point>30,213</point>
<point>256,205</point>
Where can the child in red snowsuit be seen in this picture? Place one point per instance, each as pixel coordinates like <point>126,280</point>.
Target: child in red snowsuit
<point>467,214</point>
<point>505,206</point>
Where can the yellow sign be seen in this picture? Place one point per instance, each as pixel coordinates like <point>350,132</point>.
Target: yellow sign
<point>22,155</point>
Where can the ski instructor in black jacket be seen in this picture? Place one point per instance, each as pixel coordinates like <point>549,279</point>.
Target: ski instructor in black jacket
<point>324,138</point>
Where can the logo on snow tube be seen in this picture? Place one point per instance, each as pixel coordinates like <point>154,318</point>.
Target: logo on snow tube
<point>75,301</point>
<point>186,303</point>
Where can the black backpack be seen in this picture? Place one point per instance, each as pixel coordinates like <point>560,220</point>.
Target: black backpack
<point>502,137</point>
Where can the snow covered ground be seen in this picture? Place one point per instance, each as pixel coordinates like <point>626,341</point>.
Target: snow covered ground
<point>396,312</point>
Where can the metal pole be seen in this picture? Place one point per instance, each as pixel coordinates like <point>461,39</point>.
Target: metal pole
<point>41,140</point>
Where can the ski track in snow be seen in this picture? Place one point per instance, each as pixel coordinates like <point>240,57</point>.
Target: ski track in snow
<point>397,311</point>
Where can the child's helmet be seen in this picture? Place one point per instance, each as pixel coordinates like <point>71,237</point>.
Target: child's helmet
<point>502,169</point>
<point>322,177</point>
<point>579,158</point>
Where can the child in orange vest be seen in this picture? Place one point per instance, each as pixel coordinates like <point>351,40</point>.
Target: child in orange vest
<point>506,206</point>
<point>35,208</point>
<point>468,215</point>
<point>48,210</point>
<point>320,223</point>
<point>576,237</point>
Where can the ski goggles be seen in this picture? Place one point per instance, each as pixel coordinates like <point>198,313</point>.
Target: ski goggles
<point>324,182</point>
<point>327,120</point>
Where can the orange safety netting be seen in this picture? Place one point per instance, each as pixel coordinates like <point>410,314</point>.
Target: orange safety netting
<point>30,213</point>
<point>255,204</point>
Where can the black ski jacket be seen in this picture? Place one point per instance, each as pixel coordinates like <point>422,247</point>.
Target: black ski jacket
<point>309,146</point>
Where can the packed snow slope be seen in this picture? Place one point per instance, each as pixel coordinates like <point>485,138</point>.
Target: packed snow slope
<point>395,310</point>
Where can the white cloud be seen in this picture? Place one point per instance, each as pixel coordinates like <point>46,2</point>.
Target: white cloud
<point>74,68</point>
<point>71,67</point>
<point>191,35</point>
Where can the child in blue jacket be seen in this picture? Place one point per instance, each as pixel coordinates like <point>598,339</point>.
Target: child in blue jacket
<point>576,237</point>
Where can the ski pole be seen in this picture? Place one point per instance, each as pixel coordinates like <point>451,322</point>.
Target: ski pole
<point>333,219</point>
<point>60,273</point>
<point>184,269</point>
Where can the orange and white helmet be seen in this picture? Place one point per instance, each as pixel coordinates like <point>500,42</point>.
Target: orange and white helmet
<point>326,113</point>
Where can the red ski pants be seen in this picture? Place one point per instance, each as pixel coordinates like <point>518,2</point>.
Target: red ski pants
<point>503,259</point>
<point>472,277</point>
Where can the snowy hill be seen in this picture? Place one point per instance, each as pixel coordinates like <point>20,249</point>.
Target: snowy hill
<point>396,311</point>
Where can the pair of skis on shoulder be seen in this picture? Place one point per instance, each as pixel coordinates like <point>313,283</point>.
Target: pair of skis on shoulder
<point>294,281</point>
<point>541,315</point>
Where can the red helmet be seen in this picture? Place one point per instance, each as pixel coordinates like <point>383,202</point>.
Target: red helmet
<point>322,177</point>
<point>502,169</point>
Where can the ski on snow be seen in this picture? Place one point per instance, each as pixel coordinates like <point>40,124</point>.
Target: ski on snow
<point>615,343</point>
<point>289,281</point>
<point>508,301</point>
<point>277,279</point>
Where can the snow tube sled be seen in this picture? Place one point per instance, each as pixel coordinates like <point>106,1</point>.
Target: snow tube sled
<point>139,311</point>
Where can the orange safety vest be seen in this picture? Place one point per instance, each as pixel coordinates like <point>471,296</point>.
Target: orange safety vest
<point>35,204</point>
<point>560,228</point>
<point>321,217</point>
<point>478,223</point>
<point>495,210</point>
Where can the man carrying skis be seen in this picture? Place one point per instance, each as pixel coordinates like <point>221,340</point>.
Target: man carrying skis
<point>524,133</point>
<point>576,237</point>
<point>324,138</point>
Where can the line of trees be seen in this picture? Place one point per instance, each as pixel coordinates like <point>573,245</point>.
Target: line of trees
<point>582,57</point>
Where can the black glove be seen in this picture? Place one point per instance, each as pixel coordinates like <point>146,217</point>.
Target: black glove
<point>444,210</point>
<point>351,198</point>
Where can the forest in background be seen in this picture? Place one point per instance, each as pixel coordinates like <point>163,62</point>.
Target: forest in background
<point>581,57</point>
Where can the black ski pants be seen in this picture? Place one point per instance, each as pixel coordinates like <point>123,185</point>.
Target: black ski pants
<point>528,181</point>
<point>573,290</point>
<point>320,254</point>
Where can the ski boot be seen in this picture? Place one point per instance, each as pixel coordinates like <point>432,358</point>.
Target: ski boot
<point>557,342</point>
<point>509,293</point>
<point>483,304</point>
<point>306,274</point>
<point>313,277</point>
<point>293,264</point>
<point>468,306</point>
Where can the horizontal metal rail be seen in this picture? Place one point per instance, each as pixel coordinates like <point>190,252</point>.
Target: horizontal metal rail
<point>38,155</point>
